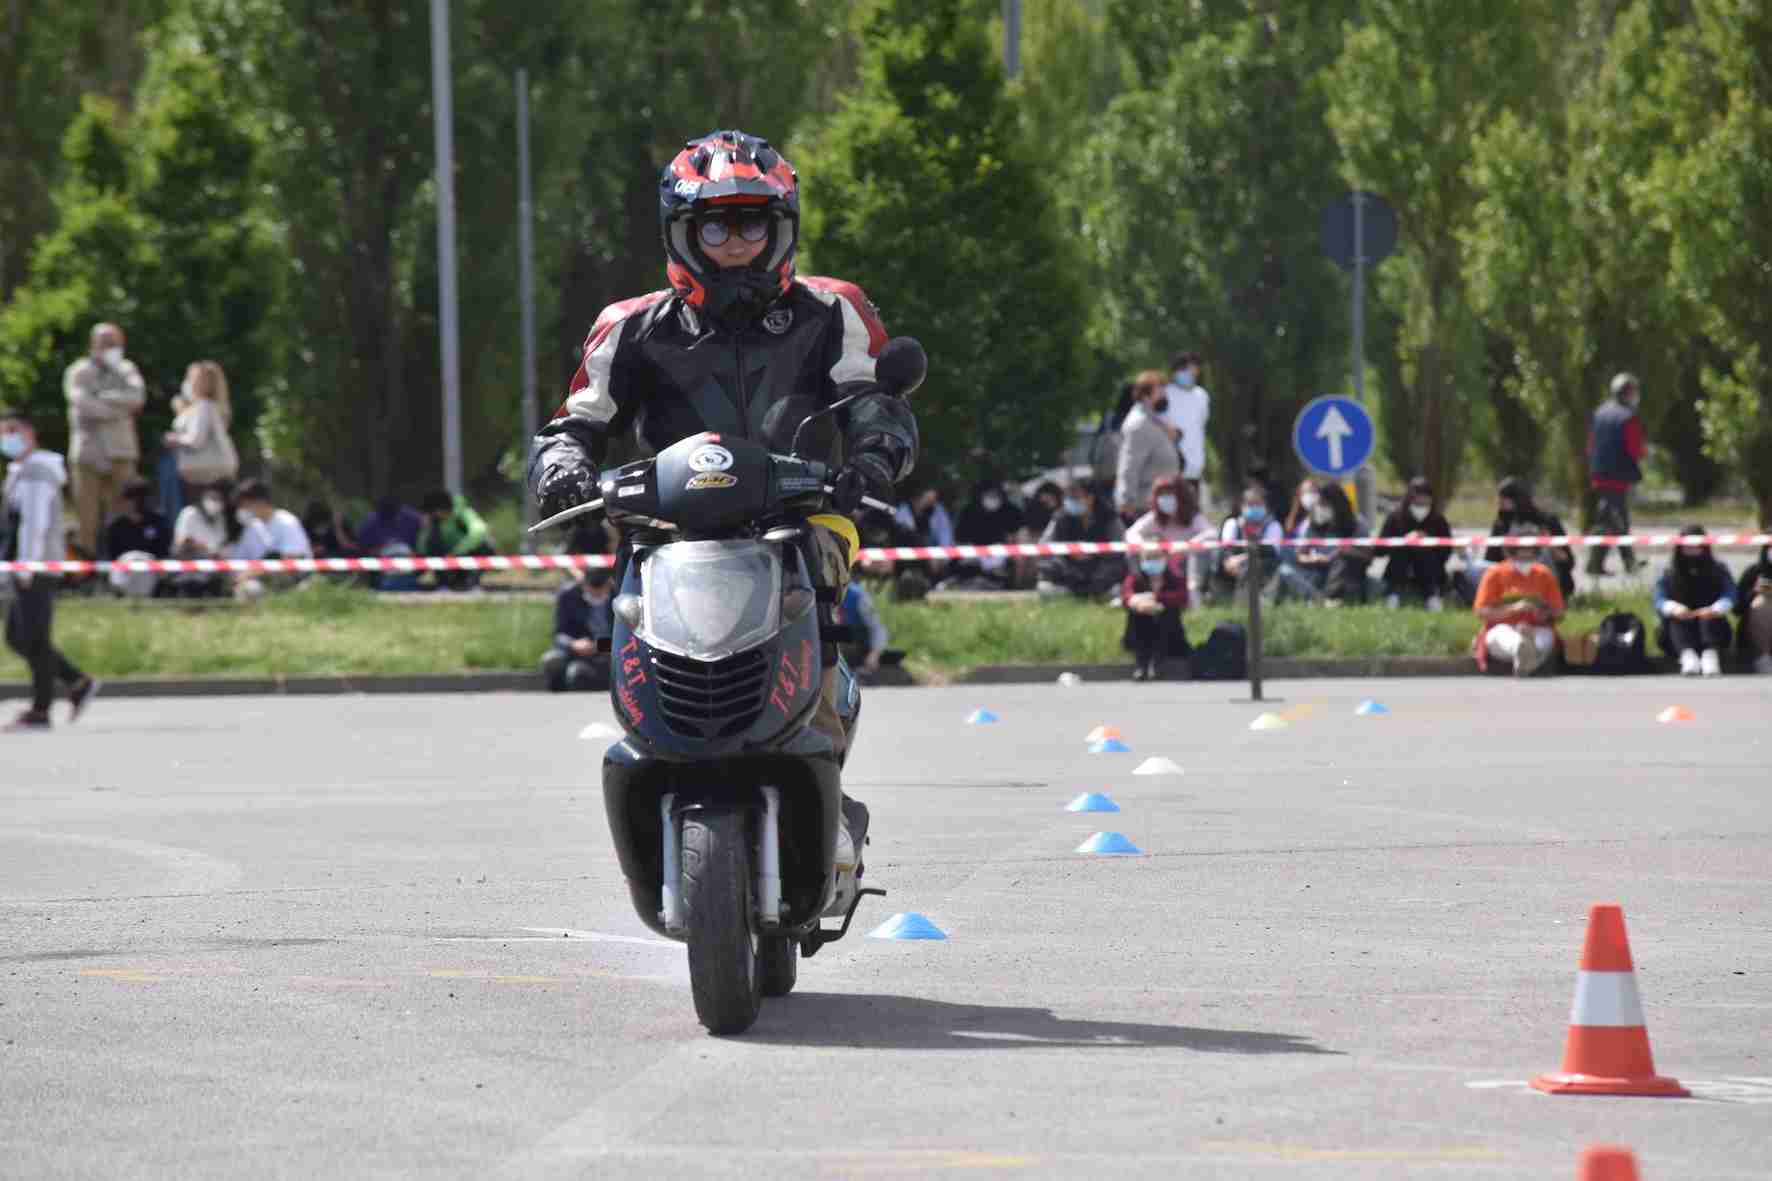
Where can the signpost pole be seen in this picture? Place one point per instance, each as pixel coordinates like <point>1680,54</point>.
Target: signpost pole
<point>1363,481</point>
<point>1254,574</point>
<point>526,292</point>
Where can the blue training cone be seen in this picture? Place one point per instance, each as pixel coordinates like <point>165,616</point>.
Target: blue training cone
<point>1371,709</point>
<point>1092,801</point>
<point>981,717</point>
<point>907,925</point>
<point>1107,842</point>
<point>1110,746</point>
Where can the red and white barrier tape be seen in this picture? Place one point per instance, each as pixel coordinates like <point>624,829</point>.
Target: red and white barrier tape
<point>1069,549</point>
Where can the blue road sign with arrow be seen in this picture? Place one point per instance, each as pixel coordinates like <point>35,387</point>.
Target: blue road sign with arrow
<point>1333,435</point>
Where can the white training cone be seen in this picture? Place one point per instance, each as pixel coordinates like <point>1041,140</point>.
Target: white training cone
<point>1069,680</point>
<point>1157,765</point>
<point>1269,722</point>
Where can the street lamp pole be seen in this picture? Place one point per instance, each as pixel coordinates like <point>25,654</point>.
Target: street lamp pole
<point>448,319</point>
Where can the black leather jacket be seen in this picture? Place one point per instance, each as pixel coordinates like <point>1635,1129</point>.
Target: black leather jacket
<point>656,370</point>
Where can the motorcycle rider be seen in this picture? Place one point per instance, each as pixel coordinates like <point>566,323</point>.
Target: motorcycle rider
<point>735,335</point>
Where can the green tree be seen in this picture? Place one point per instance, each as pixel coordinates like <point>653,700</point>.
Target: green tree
<point>1416,82</point>
<point>1709,189</point>
<point>1205,199</point>
<point>922,189</point>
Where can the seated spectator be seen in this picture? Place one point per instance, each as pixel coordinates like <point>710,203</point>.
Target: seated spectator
<point>138,528</point>
<point>1083,516</point>
<point>880,530</point>
<point>1174,515</point>
<point>206,529</point>
<point>1753,602</point>
<point>1154,594</point>
<point>456,531</point>
<point>1514,506</point>
<point>329,531</point>
<point>927,517</point>
<point>1519,603</point>
<point>1230,567</point>
<point>267,532</point>
<point>858,612</point>
<point>1416,572</point>
<point>1328,574</point>
<point>582,616</point>
<point>1147,446</point>
<point>593,534</point>
<point>1693,597</point>
<point>391,531</point>
<point>1042,507</point>
<point>987,519</point>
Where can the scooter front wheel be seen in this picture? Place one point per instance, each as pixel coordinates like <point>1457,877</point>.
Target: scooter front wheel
<point>778,964</point>
<point>723,974</point>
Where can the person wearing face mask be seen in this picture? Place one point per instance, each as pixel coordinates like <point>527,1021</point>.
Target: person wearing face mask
<point>105,394</point>
<point>1615,451</point>
<point>1416,572</point>
<point>1514,506</point>
<point>1693,598</point>
<point>1147,447</point>
<point>1154,594</point>
<point>1254,523</point>
<point>1519,604</point>
<point>1321,573</point>
<point>1082,516</point>
<point>987,519</point>
<point>31,531</point>
<point>199,435</point>
<point>1174,516</point>
<point>1753,602</point>
<point>1189,408</point>
<point>583,616</point>
<point>206,528</point>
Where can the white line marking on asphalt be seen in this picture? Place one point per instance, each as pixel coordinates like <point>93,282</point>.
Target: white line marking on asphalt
<point>192,872</point>
<point>601,937</point>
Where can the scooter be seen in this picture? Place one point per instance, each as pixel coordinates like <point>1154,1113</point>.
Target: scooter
<point>722,801</point>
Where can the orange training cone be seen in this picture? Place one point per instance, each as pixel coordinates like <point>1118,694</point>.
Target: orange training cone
<point>1608,1048</point>
<point>1674,713</point>
<point>1607,1162</point>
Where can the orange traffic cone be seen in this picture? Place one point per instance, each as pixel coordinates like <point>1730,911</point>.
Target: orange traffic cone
<point>1607,1162</point>
<point>1608,1048</point>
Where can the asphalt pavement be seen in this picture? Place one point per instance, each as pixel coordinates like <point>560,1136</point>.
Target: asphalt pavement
<point>386,937</point>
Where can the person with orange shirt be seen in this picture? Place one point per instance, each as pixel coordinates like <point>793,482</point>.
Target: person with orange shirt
<point>1519,603</point>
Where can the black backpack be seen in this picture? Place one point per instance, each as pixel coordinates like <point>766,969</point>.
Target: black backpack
<point>1620,646</point>
<point>1224,656</point>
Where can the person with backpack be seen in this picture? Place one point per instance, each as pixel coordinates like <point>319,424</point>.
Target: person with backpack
<point>1693,598</point>
<point>1753,602</point>
<point>1519,604</point>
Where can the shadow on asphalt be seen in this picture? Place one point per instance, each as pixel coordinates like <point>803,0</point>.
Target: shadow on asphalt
<point>875,1021</point>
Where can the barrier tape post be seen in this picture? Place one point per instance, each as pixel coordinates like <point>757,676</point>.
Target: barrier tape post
<point>1254,641</point>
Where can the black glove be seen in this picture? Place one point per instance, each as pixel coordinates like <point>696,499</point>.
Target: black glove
<point>563,486</point>
<point>867,473</point>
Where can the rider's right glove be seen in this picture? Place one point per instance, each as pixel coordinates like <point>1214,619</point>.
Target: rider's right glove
<point>868,473</point>
<point>565,484</point>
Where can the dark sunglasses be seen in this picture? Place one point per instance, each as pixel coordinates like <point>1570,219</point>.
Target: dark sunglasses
<point>715,228</point>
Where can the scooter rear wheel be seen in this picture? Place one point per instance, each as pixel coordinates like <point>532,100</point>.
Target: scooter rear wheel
<point>723,975</point>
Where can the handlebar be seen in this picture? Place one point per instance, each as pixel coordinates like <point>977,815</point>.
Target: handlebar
<point>591,506</point>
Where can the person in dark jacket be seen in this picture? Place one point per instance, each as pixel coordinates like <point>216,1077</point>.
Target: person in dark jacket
<point>1753,602</point>
<point>1514,506</point>
<point>1154,594</point>
<point>582,616</point>
<point>1082,516</point>
<point>1693,597</point>
<point>138,529</point>
<point>1615,451</point>
<point>1324,573</point>
<point>987,519</point>
<point>1418,572</point>
<point>329,531</point>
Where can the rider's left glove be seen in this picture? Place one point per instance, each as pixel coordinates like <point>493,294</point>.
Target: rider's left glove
<point>868,473</point>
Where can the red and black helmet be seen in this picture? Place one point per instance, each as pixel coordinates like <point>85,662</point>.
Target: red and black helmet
<point>725,168</point>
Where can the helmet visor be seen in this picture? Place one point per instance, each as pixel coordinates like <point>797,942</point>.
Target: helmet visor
<point>715,229</point>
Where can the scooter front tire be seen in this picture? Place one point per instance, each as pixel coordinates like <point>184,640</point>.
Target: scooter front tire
<point>723,960</point>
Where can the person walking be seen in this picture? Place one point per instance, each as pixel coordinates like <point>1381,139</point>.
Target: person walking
<point>1615,452</point>
<point>32,511</point>
<point>105,394</point>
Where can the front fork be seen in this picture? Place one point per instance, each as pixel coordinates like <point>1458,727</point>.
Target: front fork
<point>768,884</point>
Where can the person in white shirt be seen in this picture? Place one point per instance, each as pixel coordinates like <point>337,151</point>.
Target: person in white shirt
<point>268,531</point>
<point>1189,408</point>
<point>204,530</point>
<point>1232,569</point>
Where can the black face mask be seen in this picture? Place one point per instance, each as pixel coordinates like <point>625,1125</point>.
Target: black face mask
<point>1160,406</point>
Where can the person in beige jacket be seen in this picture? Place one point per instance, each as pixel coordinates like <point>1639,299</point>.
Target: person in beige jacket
<point>1147,447</point>
<point>199,435</point>
<point>105,394</point>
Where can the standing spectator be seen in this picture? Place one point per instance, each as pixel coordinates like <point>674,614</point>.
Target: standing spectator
<point>105,394</point>
<point>1514,506</point>
<point>1694,597</point>
<point>1417,571</point>
<point>199,435</point>
<point>987,519</point>
<point>457,531</point>
<point>582,617</point>
<point>1082,516</point>
<point>31,508</point>
<point>1147,447</point>
<point>1230,572</point>
<point>857,609</point>
<point>1189,408</point>
<point>1614,462</point>
<point>1154,594</point>
<point>1753,601</point>
<point>206,529</point>
<point>138,529</point>
<point>329,531</point>
<point>1519,603</point>
<point>1175,516</point>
